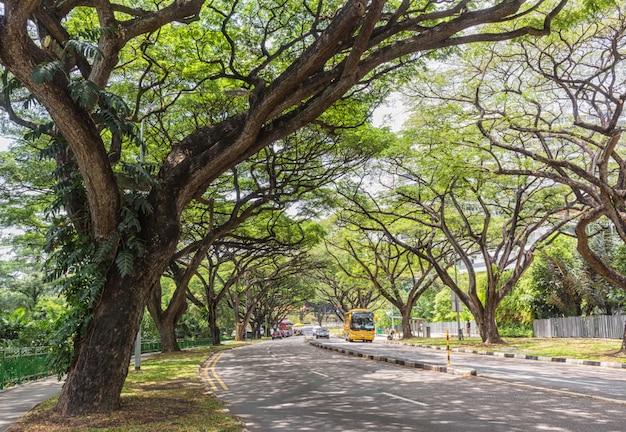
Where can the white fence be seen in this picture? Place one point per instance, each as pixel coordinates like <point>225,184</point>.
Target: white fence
<point>595,326</point>
<point>439,328</point>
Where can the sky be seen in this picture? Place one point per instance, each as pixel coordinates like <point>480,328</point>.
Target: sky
<point>393,113</point>
<point>4,143</point>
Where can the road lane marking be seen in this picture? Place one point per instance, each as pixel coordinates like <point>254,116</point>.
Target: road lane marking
<point>404,399</point>
<point>209,373</point>
<point>215,375</point>
<point>207,377</point>
<point>320,374</point>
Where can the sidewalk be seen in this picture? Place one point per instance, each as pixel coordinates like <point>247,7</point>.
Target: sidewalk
<point>17,401</point>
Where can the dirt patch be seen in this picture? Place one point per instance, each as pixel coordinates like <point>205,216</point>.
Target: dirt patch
<point>163,412</point>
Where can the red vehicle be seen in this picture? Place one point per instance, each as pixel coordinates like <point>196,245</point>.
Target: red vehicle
<point>284,329</point>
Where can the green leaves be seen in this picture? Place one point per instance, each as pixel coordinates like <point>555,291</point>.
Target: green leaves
<point>45,71</point>
<point>124,262</point>
<point>85,93</point>
<point>85,49</point>
<point>113,113</point>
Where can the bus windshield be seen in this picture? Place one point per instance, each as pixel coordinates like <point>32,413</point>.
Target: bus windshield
<point>362,321</point>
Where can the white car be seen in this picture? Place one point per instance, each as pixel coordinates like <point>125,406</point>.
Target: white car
<point>320,332</point>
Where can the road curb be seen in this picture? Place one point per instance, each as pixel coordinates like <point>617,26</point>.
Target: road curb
<point>614,365</point>
<point>396,361</point>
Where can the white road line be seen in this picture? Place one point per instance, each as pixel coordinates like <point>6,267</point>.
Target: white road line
<point>549,390</point>
<point>404,399</point>
<point>320,374</point>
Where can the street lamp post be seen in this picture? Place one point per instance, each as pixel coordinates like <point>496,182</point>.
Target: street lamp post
<point>138,350</point>
<point>456,305</point>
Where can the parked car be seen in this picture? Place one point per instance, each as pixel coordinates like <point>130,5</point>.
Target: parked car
<point>321,332</point>
<point>279,334</point>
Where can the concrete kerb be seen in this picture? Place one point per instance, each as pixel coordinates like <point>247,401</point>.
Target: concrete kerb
<point>396,361</point>
<point>615,365</point>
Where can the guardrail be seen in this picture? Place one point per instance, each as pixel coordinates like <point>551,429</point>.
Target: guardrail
<point>18,365</point>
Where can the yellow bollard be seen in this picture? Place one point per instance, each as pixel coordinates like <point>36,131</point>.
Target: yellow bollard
<point>448,345</point>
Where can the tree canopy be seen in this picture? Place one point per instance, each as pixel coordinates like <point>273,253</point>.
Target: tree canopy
<point>194,87</point>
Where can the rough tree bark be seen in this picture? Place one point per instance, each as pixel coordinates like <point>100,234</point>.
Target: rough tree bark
<point>405,313</point>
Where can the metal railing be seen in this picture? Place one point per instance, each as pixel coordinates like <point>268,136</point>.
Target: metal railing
<point>18,365</point>
<point>155,346</point>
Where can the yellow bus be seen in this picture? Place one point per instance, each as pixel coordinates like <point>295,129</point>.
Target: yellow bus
<point>358,324</point>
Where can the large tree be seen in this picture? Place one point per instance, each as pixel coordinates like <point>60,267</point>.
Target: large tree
<point>338,291</point>
<point>292,174</point>
<point>450,211</point>
<point>292,60</point>
<point>259,271</point>
<point>578,141</point>
<point>395,273</point>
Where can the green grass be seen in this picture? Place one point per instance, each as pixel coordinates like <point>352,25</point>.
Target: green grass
<point>606,350</point>
<point>165,395</point>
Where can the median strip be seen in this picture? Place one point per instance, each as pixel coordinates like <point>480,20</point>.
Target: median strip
<point>397,361</point>
<point>616,365</point>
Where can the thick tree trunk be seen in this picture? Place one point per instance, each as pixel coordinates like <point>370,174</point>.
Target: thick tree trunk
<point>167,333</point>
<point>488,329</point>
<point>214,329</point>
<point>102,356</point>
<point>407,333</point>
<point>166,320</point>
<point>240,331</point>
<point>623,350</point>
<point>255,332</point>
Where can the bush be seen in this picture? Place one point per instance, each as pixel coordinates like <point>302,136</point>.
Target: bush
<point>515,330</point>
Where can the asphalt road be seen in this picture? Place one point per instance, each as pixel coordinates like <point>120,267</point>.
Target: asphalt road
<point>288,385</point>
<point>590,381</point>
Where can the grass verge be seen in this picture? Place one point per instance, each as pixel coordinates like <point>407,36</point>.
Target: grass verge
<point>605,350</point>
<point>165,395</point>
